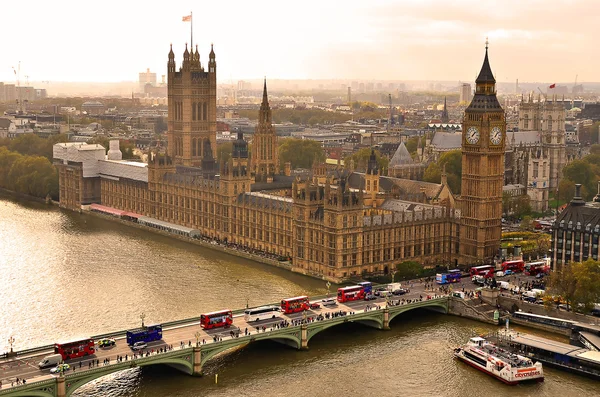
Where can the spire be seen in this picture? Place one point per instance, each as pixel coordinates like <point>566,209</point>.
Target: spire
<point>445,117</point>
<point>265,99</point>
<point>485,75</point>
<point>372,167</point>
<point>171,53</point>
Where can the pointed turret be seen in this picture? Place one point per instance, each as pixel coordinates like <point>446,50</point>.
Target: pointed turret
<point>186,59</point>
<point>212,63</point>
<point>265,100</point>
<point>485,89</point>
<point>485,75</point>
<point>171,63</point>
<point>445,117</point>
<point>372,167</point>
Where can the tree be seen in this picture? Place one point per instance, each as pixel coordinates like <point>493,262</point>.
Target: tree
<point>33,175</point>
<point>578,284</point>
<point>580,171</point>
<point>595,149</point>
<point>7,158</point>
<point>566,190</point>
<point>407,270</point>
<point>361,159</point>
<point>433,173</point>
<point>526,223</point>
<point>302,153</point>
<point>413,142</point>
<point>224,151</point>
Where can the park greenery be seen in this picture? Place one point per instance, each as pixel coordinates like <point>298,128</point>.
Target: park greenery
<point>26,163</point>
<point>533,245</point>
<point>360,160</point>
<point>301,153</point>
<point>452,160</point>
<point>578,284</point>
<point>313,116</point>
<point>28,174</point>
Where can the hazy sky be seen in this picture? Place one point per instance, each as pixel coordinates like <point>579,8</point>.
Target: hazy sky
<point>532,40</point>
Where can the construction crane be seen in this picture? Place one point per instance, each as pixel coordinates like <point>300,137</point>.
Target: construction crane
<point>17,72</point>
<point>389,123</point>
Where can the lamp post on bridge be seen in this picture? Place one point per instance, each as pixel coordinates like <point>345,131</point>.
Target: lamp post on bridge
<point>328,285</point>
<point>11,341</point>
<point>197,335</point>
<point>142,317</point>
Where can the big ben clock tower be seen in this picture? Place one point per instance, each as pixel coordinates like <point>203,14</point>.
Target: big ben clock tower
<point>483,144</point>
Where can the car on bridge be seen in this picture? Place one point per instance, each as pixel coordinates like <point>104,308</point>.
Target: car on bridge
<point>400,291</point>
<point>60,368</point>
<point>370,297</point>
<point>106,342</point>
<point>329,302</point>
<point>314,305</point>
<point>139,345</point>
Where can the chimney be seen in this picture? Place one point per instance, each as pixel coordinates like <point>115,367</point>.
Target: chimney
<point>577,199</point>
<point>114,152</point>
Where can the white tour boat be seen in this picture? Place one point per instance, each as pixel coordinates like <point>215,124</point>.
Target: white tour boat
<point>508,367</point>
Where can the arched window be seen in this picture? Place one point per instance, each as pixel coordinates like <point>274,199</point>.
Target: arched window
<point>204,112</point>
<point>549,123</point>
<point>194,140</point>
<point>526,122</point>
<point>194,111</point>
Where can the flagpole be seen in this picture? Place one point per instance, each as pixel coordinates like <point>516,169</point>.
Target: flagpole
<point>191,32</point>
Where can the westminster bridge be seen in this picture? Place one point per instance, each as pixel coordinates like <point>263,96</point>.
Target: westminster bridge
<point>187,347</point>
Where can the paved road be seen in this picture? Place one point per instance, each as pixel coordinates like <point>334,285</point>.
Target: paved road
<point>26,367</point>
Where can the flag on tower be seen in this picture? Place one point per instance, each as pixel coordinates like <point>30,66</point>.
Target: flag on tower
<point>553,85</point>
<point>187,18</point>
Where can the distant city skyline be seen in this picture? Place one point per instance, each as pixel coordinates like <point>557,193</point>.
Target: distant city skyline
<point>535,40</point>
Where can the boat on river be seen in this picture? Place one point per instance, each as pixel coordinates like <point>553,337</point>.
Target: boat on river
<point>503,365</point>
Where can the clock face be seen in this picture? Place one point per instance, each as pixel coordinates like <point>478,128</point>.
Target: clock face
<point>496,136</point>
<point>472,135</point>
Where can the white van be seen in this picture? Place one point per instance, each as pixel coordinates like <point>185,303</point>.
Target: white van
<point>504,285</point>
<point>50,361</point>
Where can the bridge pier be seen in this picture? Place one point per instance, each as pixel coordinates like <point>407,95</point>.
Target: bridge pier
<point>386,318</point>
<point>61,387</point>
<point>197,369</point>
<point>304,337</point>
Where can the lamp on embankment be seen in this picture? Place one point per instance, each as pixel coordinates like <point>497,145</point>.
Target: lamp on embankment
<point>11,341</point>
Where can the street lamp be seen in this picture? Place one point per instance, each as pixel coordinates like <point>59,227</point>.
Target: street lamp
<point>11,340</point>
<point>328,285</point>
<point>142,317</point>
<point>197,335</point>
<point>247,303</point>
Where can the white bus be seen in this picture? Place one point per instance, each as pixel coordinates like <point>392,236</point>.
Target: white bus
<point>261,313</point>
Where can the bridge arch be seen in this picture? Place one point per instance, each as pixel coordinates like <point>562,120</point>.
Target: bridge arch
<point>440,307</point>
<point>280,337</point>
<point>373,322</point>
<point>74,382</point>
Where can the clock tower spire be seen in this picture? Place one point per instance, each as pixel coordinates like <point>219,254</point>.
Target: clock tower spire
<point>483,145</point>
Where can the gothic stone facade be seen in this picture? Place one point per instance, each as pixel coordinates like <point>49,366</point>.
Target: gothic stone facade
<point>327,228</point>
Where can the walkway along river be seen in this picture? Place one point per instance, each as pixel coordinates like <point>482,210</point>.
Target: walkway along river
<point>66,275</point>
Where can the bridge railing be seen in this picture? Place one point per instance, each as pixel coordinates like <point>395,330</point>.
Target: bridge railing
<point>253,334</point>
<point>166,325</point>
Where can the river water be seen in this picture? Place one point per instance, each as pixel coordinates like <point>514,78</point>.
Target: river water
<point>66,275</point>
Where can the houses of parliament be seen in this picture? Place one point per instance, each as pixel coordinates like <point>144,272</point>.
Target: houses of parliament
<point>332,224</point>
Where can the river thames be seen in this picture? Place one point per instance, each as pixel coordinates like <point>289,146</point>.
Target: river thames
<point>67,275</point>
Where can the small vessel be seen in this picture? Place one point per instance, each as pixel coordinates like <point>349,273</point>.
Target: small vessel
<point>508,367</point>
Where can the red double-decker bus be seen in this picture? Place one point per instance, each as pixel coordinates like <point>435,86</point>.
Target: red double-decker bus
<point>222,318</point>
<point>295,305</point>
<point>352,293</point>
<point>535,268</point>
<point>74,349</point>
<point>514,266</point>
<point>485,271</point>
